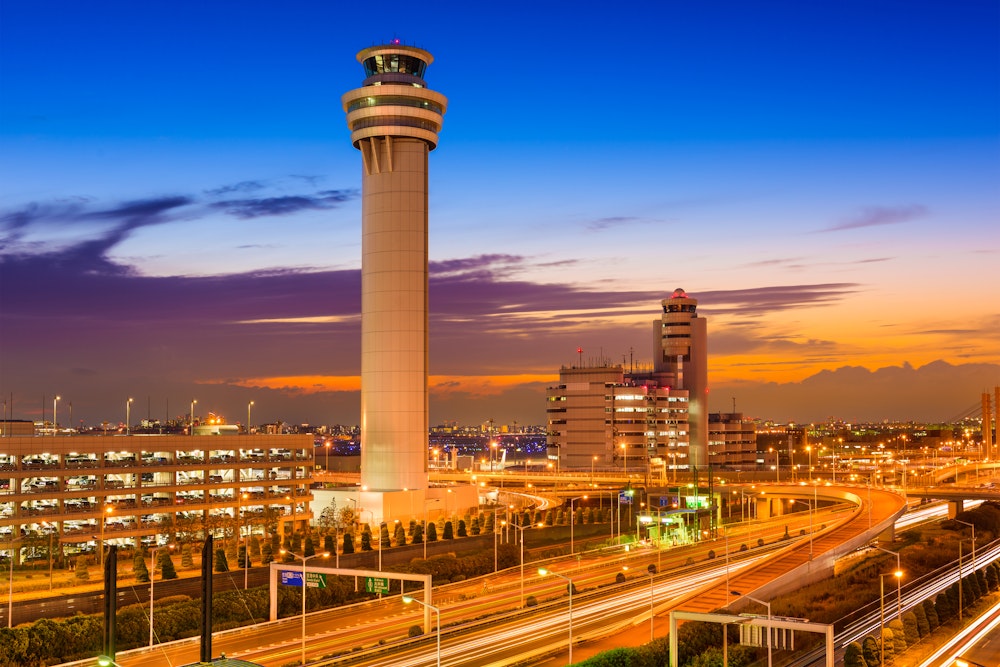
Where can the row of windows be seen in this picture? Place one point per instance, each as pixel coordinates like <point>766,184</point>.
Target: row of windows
<point>395,121</point>
<point>394,62</point>
<point>394,101</point>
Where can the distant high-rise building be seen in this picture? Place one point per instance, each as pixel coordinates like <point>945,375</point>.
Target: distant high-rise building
<point>732,441</point>
<point>680,347</point>
<point>394,120</point>
<point>651,417</point>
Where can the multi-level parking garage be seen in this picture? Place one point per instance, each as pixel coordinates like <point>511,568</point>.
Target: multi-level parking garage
<point>127,490</point>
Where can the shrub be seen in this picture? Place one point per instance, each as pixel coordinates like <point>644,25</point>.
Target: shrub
<point>531,601</point>
<point>166,564</point>
<point>620,578</point>
<point>910,630</point>
<point>221,562</point>
<point>854,656</point>
<point>414,631</point>
<point>140,569</point>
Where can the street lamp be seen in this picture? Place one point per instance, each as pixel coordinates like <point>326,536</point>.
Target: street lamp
<point>592,462</point>
<point>55,422</point>
<point>651,576</point>
<point>810,450</point>
<point>521,530</point>
<point>249,405</point>
<point>625,454</point>
<point>881,626</point>
<point>152,579</point>
<point>407,600</point>
<point>246,543</point>
<point>105,661</point>
<point>973,541</point>
<point>325,554</point>
<point>572,521</point>
<point>194,402</point>
<point>768,605</point>
<point>899,595</point>
<point>107,510</point>
<point>543,572</point>
<point>128,415</point>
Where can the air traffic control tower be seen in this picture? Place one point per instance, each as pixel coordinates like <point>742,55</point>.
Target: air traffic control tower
<point>394,121</point>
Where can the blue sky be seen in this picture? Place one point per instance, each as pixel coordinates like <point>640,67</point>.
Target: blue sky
<point>179,213</point>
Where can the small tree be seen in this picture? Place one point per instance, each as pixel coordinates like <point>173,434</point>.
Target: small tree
<point>418,534</point>
<point>187,557</point>
<point>383,536</point>
<point>254,547</point>
<point>166,564</point>
<point>329,544</point>
<point>432,534</point>
<point>461,529</point>
<point>854,656</point>
<point>910,629</point>
<point>869,647</point>
<point>266,554</point>
<point>400,535</point>
<point>221,563</point>
<point>366,539</point>
<point>140,569</point>
<point>241,558</point>
<point>448,531</point>
<point>348,543</point>
<point>309,548</point>
<point>932,618</point>
<point>81,573</point>
<point>475,529</point>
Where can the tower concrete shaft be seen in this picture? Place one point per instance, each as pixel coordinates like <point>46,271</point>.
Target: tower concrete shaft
<point>394,121</point>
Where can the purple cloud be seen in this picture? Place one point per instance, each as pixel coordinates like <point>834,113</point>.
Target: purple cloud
<point>875,216</point>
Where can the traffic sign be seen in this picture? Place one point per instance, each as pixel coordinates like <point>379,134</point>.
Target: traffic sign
<point>376,585</point>
<point>294,578</point>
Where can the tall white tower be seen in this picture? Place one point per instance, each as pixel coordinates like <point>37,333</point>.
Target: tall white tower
<point>394,121</point>
<point>681,350</point>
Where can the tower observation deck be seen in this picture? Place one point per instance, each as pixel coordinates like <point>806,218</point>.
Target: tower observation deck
<point>394,121</point>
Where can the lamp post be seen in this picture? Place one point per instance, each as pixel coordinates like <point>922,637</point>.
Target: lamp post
<point>521,535</point>
<point>407,600</point>
<point>881,625</point>
<point>572,520</point>
<point>651,575</point>
<point>152,579</point>
<point>810,450</point>
<point>55,422</point>
<point>592,462</point>
<point>625,454</point>
<point>105,661</point>
<point>106,510</point>
<point>325,554</point>
<point>10,585</point>
<point>768,605</point>
<point>249,405</point>
<point>194,402</point>
<point>973,541</point>
<point>246,539</point>
<point>128,416</point>
<point>899,569</point>
<point>569,584</point>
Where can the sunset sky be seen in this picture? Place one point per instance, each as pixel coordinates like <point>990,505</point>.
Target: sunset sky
<point>180,212</point>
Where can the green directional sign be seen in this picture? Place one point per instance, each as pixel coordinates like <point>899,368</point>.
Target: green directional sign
<point>315,580</point>
<point>376,585</point>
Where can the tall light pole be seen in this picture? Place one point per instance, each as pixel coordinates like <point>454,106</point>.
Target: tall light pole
<point>128,416</point>
<point>105,511</point>
<point>625,453</point>
<point>768,605</point>
<point>325,554</point>
<point>246,538</point>
<point>899,590</point>
<point>569,585</point>
<point>407,600</point>
<point>152,579</point>
<point>55,422</point>
<point>572,521</point>
<point>810,450</point>
<point>592,462</point>
<point>651,576</point>
<point>973,541</point>
<point>521,531</point>
<point>194,401</point>
<point>881,625</point>
<point>249,405</point>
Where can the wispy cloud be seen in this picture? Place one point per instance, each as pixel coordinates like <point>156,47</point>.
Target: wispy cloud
<point>875,216</point>
<point>242,186</point>
<point>267,206</point>
<point>614,221</point>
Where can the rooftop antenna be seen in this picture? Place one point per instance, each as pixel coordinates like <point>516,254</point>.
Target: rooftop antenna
<point>734,405</point>
<point>579,352</point>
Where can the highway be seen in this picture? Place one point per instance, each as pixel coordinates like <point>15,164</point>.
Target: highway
<point>340,630</point>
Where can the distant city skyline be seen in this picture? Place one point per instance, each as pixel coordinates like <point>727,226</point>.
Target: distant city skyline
<point>179,216</point>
